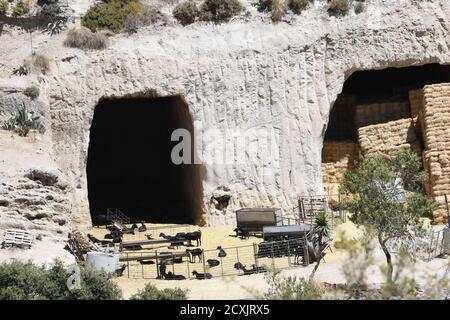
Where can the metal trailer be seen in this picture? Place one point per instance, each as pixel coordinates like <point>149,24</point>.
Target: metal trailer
<point>277,233</point>
<point>250,221</point>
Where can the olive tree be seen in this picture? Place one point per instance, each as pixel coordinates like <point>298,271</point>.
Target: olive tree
<point>385,194</point>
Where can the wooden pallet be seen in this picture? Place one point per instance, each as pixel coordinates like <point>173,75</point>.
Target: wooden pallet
<point>17,238</point>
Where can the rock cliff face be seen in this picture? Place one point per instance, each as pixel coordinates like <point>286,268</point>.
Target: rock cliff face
<point>246,76</point>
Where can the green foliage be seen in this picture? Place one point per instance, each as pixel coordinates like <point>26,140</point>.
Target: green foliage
<point>186,12</point>
<point>277,8</point>
<point>4,5</point>
<point>291,288</point>
<point>26,281</point>
<point>151,292</point>
<point>32,92</point>
<point>23,122</point>
<point>22,7</point>
<point>147,16</point>
<point>339,7</point>
<point>384,194</point>
<point>110,15</point>
<point>401,284</point>
<point>220,10</point>
<point>83,38</point>
<point>297,6</point>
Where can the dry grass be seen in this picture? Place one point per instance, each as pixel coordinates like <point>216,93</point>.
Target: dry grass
<point>83,38</point>
<point>40,63</point>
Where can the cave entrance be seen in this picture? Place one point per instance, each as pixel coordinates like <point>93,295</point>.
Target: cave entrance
<point>129,164</point>
<point>377,111</point>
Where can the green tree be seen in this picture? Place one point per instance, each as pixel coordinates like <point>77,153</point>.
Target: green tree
<point>385,195</point>
<point>26,281</point>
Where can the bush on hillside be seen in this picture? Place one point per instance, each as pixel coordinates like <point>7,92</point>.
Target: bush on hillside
<point>220,10</point>
<point>151,292</point>
<point>83,38</point>
<point>4,5</point>
<point>31,92</point>
<point>149,15</point>
<point>186,12</point>
<point>110,15</point>
<point>297,6</point>
<point>339,7</point>
<point>22,7</point>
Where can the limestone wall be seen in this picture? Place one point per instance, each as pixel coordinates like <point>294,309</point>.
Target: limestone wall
<point>388,138</point>
<point>244,75</point>
<point>436,120</point>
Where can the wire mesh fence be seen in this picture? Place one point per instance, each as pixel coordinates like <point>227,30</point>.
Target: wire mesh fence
<point>198,263</point>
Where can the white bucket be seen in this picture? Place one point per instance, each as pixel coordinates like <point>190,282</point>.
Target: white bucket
<point>101,260</point>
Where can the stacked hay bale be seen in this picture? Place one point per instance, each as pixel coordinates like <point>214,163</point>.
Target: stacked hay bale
<point>375,113</point>
<point>436,119</point>
<point>388,138</point>
<point>337,158</point>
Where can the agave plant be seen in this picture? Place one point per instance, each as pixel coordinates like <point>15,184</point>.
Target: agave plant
<point>22,70</point>
<point>322,226</point>
<point>23,122</point>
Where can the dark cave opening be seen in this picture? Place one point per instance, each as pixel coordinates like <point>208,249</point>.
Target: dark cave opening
<point>129,164</point>
<point>366,92</point>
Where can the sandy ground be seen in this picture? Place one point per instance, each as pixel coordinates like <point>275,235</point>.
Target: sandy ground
<point>250,286</point>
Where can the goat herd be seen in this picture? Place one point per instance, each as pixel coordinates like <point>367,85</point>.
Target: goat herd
<point>195,254</point>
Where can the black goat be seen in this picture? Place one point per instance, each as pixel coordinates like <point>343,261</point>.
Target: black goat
<point>97,241</point>
<point>222,253</point>
<point>193,253</point>
<point>222,201</point>
<point>174,241</point>
<point>142,228</point>
<point>170,276</point>
<point>212,262</point>
<point>119,272</point>
<point>134,226</point>
<point>194,236</point>
<point>243,234</point>
<point>201,276</point>
<point>253,270</point>
<point>149,237</point>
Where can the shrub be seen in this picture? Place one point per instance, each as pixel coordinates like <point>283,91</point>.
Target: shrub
<point>40,63</point>
<point>297,6</point>
<point>46,2</point>
<point>26,281</point>
<point>4,5</point>
<point>32,92</point>
<point>339,7</point>
<point>51,10</point>
<point>23,122</point>
<point>359,7</point>
<point>110,15</point>
<point>21,70</point>
<point>83,38</point>
<point>291,288</point>
<point>186,12</point>
<point>220,10</point>
<point>151,292</point>
<point>277,8</point>
<point>22,7</point>
<point>149,15</point>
